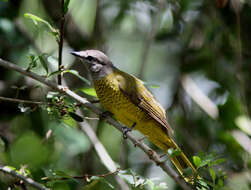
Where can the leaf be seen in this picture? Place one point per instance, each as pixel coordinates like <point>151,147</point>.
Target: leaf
<point>196,160</point>
<point>37,19</point>
<point>43,63</point>
<point>74,72</point>
<point>51,94</point>
<point>76,117</point>
<point>244,123</point>
<point>55,73</point>
<point>207,160</point>
<point>9,168</point>
<point>162,185</point>
<point>188,171</point>
<point>62,174</point>
<point>173,152</point>
<point>32,62</point>
<point>166,23</point>
<point>150,183</point>
<point>220,183</point>
<point>212,174</point>
<point>24,109</point>
<point>98,183</point>
<point>218,161</point>
<point>89,91</point>
<point>66,5</point>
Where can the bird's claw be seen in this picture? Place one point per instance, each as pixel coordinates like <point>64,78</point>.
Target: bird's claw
<point>125,130</point>
<point>105,114</point>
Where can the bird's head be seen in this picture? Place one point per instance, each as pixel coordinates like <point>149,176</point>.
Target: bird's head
<point>97,62</point>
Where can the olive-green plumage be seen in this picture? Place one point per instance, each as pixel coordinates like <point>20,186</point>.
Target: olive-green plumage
<point>131,103</point>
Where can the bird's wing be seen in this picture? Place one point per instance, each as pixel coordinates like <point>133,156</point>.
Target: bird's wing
<point>134,89</point>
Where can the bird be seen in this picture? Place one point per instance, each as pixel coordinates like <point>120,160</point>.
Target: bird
<point>131,103</point>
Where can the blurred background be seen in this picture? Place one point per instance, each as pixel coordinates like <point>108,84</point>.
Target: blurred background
<point>193,55</point>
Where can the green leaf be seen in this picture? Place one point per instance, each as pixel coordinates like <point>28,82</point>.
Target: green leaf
<point>196,160</point>
<point>207,160</point>
<point>66,5</point>
<point>166,23</point>
<point>10,168</point>
<point>37,19</point>
<point>62,174</point>
<point>74,72</point>
<point>32,62</point>
<point>188,171</point>
<point>173,152</point>
<point>212,174</point>
<point>98,183</point>
<point>89,91</point>
<point>218,161</point>
<point>55,73</point>
<point>220,182</point>
<point>43,63</point>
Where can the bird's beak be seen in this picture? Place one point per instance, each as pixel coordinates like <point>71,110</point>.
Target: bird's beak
<point>78,54</point>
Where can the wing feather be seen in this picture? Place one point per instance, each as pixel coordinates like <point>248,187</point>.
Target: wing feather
<point>134,89</point>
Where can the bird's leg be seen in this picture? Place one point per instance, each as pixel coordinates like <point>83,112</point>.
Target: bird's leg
<point>95,101</point>
<point>125,130</point>
<point>105,114</point>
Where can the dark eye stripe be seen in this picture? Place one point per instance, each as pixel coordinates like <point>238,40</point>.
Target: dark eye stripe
<point>90,58</point>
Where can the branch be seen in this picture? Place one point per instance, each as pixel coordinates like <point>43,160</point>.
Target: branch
<point>151,154</point>
<point>27,180</point>
<point>102,153</point>
<point>85,176</point>
<point>21,101</point>
<point>61,41</point>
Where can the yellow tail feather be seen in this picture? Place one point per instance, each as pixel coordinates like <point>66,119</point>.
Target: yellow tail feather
<point>181,162</point>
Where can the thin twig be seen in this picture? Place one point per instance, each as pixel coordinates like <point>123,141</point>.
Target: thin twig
<point>14,100</point>
<point>82,177</point>
<point>151,154</point>
<point>27,180</point>
<point>60,43</point>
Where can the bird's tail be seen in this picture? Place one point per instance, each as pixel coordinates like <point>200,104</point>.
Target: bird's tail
<point>181,162</point>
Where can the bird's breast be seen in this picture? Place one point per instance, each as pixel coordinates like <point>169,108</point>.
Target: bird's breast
<point>115,101</point>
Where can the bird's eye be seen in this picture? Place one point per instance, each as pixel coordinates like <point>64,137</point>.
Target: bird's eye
<point>89,58</point>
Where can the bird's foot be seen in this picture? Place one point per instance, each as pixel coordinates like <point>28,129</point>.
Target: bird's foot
<point>105,114</point>
<point>95,101</point>
<point>125,130</point>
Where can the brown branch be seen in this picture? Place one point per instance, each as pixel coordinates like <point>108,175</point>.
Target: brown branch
<point>14,100</point>
<point>61,42</point>
<point>27,180</point>
<point>151,154</point>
